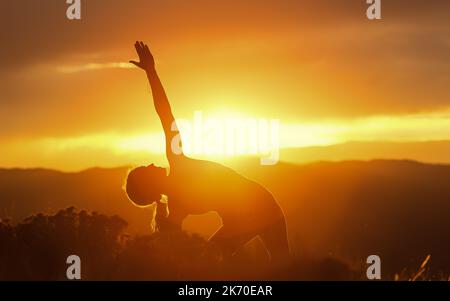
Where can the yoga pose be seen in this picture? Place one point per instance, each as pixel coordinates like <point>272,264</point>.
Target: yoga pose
<point>194,186</point>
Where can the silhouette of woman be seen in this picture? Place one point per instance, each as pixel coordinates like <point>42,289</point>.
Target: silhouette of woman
<point>194,186</point>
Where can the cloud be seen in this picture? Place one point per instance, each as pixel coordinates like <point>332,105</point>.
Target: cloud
<point>93,66</point>
<point>313,59</point>
<point>35,31</point>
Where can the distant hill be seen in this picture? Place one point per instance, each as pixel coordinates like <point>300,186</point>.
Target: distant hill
<point>399,210</point>
<point>27,191</point>
<point>426,151</point>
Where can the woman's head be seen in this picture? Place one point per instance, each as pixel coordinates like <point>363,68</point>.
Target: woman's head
<point>145,184</point>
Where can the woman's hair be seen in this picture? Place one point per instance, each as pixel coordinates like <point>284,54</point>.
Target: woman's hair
<point>144,185</point>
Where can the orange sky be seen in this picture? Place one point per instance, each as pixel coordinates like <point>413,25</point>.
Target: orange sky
<point>68,99</point>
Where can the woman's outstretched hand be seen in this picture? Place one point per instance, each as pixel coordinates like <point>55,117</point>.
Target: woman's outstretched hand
<point>146,60</point>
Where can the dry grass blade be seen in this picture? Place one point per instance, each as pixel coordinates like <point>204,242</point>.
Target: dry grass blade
<point>424,263</point>
<point>422,268</point>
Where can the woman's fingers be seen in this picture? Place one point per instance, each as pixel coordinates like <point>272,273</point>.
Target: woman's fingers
<point>147,50</point>
<point>139,49</point>
<point>145,56</point>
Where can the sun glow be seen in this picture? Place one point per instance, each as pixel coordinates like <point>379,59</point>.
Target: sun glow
<point>112,149</point>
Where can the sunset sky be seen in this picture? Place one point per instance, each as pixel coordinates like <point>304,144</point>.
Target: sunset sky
<point>69,99</point>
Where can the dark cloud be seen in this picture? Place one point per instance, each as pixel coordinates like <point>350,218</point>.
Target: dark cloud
<point>33,31</point>
<point>404,58</point>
